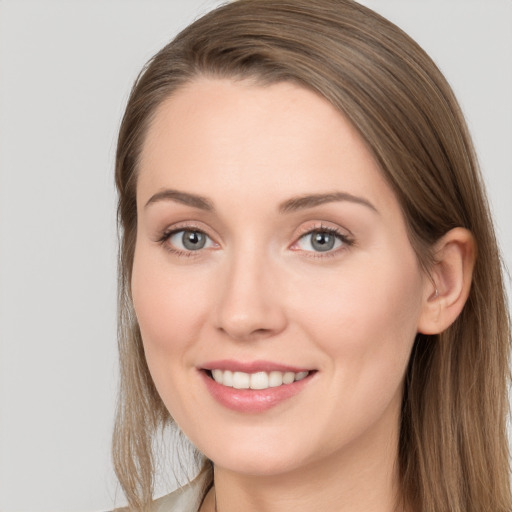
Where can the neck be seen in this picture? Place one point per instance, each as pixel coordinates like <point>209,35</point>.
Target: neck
<point>352,481</point>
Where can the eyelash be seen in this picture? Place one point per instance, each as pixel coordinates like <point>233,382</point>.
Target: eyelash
<point>346,240</point>
<point>168,233</point>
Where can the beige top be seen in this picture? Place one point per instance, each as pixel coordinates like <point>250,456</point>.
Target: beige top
<point>185,499</point>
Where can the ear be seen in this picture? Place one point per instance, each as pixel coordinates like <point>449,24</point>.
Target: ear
<point>448,288</point>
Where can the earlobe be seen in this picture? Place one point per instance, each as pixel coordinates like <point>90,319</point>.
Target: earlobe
<point>448,288</point>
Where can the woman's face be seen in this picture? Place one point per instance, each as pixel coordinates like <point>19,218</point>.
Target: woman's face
<point>272,254</point>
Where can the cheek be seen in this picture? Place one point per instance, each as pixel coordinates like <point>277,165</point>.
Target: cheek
<point>365,318</point>
<point>168,305</point>
<point>366,326</point>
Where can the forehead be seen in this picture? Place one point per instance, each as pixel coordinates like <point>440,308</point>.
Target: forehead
<point>235,136</point>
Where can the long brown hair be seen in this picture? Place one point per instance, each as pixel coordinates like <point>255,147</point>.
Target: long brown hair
<point>453,452</point>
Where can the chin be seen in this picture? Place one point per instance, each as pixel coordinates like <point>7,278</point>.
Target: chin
<point>258,466</point>
<point>259,456</point>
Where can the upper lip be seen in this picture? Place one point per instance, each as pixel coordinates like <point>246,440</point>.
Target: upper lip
<point>252,366</point>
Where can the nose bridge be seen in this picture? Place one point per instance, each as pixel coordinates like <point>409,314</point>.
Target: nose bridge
<point>249,303</point>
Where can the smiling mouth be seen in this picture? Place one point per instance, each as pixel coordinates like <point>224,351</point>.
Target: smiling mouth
<point>254,387</point>
<point>257,380</point>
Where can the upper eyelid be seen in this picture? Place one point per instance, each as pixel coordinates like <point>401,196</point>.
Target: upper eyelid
<point>167,234</point>
<point>185,226</point>
<point>323,226</point>
<point>332,231</point>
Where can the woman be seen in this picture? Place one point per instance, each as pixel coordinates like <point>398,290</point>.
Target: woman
<point>310,286</point>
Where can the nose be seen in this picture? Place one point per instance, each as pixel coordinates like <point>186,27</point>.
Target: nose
<point>250,305</point>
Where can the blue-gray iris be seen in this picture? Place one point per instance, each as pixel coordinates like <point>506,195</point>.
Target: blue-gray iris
<point>193,240</point>
<point>322,241</point>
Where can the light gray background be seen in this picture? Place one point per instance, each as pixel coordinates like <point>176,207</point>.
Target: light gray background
<point>66,68</point>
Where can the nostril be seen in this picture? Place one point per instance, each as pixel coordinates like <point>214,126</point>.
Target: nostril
<point>246,334</point>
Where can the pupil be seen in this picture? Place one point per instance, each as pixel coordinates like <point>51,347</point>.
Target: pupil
<point>193,240</point>
<point>322,241</point>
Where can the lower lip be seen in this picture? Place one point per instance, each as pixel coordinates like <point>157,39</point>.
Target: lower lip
<point>253,400</point>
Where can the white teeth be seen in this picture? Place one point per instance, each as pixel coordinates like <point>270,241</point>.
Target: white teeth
<point>227,378</point>
<point>275,379</point>
<point>288,377</point>
<point>241,380</point>
<point>301,375</point>
<point>258,380</point>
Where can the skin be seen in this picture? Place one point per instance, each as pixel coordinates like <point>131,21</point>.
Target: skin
<point>259,291</point>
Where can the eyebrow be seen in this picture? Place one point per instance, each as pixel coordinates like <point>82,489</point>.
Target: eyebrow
<point>181,197</point>
<point>310,201</point>
<point>288,206</point>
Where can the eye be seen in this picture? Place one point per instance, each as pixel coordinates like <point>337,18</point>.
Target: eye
<point>321,240</point>
<point>186,240</point>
